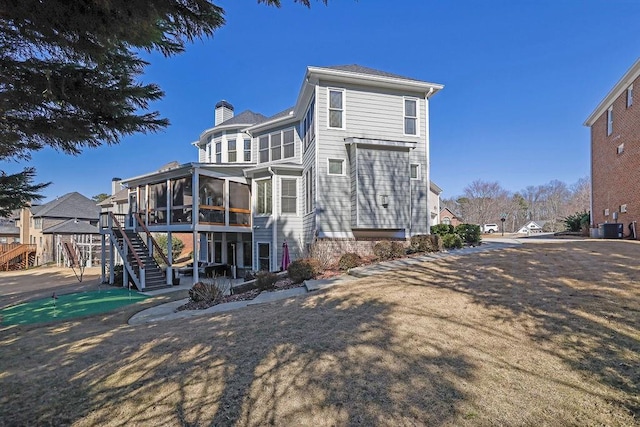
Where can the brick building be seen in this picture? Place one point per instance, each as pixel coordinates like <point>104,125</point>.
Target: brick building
<point>615,153</point>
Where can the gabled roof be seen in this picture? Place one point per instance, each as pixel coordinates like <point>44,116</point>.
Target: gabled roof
<point>247,117</point>
<point>284,113</point>
<point>450,211</point>
<point>622,85</point>
<point>355,68</point>
<point>72,226</point>
<point>120,196</point>
<point>71,205</point>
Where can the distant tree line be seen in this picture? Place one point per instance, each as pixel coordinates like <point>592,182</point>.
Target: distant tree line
<point>486,202</point>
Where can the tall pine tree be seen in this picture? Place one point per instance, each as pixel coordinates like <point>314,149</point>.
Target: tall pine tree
<point>69,74</point>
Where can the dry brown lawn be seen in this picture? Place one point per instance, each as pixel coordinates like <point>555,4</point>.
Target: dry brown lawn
<point>542,334</point>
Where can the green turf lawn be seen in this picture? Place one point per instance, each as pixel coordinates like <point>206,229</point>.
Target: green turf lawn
<point>69,306</point>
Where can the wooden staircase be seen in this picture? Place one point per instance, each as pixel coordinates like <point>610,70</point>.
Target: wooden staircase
<point>154,276</point>
<point>18,257</point>
<point>142,267</point>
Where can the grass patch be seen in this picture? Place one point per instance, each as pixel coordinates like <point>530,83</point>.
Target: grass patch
<point>68,306</point>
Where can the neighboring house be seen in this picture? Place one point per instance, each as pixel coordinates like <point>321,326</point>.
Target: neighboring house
<point>62,230</point>
<point>434,203</point>
<point>448,217</point>
<point>118,201</point>
<point>9,231</point>
<point>347,163</point>
<point>532,227</point>
<point>615,153</point>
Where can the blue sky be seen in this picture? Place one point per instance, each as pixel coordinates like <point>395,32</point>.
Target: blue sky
<point>520,79</point>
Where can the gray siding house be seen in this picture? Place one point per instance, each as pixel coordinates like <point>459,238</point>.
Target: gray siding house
<point>349,162</point>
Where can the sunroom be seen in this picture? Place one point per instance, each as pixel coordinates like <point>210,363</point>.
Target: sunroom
<point>165,201</point>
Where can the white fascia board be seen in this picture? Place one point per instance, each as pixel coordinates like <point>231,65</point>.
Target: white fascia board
<point>434,187</point>
<point>381,81</point>
<point>152,176</point>
<point>240,126</point>
<point>617,90</point>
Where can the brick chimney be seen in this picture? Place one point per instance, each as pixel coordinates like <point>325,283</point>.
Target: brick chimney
<point>224,111</point>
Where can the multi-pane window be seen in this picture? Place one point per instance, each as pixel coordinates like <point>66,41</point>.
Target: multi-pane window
<point>231,151</point>
<point>276,146</point>
<point>264,197</point>
<point>309,190</point>
<point>37,223</point>
<point>629,96</point>
<point>218,152</point>
<point>336,166</point>
<point>288,196</point>
<point>411,116</point>
<point>264,257</point>
<point>336,108</point>
<point>247,150</point>
<point>288,143</point>
<point>308,124</point>
<point>264,148</point>
<point>415,171</point>
<point>610,120</point>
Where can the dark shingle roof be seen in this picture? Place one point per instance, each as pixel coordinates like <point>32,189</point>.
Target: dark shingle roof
<point>355,68</point>
<point>247,117</point>
<point>8,227</point>
<point>284,113</point>
<point>71,226</point>
<point>71,205</point>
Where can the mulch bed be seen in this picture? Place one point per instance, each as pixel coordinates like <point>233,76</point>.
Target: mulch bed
<point>280,285</point>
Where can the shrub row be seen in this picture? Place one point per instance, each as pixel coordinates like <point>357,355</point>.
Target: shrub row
<point>455,237</point>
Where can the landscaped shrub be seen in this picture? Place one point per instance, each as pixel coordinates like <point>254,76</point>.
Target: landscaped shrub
<point>387,250</point>
<point>442,229</point>
<point>207,291</point>
<point>265,280</point>
<point>452,241</point>
<point>349,260</point>
<point>303,269</point>
<point>577,222</point>
<point>469,233</point>
<point>436,242</point>
<point>422,243</point>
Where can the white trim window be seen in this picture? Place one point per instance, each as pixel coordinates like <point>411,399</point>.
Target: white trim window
<point>411,116</point>
<point>208,154</point>
<point>415,171</point>
<point>308,124</point>
<point>289,196</point>
<point>263,142</point>
<point>335,108</point>
<point>276,146</point>
<point>335,167</point>
<point>264,202</point>
<point>247,150</point>
<point>219,152</point>
<point>629,96</point>
<point>288,144</point>
<point>232,154</point>
<point>610,121</point>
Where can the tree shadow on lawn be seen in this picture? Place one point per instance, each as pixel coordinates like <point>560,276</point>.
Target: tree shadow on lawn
<point>581,297</point>
<point>323,359</point>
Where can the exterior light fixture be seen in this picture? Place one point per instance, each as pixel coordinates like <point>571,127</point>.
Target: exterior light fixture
<point>384,199</point>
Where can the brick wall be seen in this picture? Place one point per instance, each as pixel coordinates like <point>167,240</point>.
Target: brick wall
<point>616,177</point>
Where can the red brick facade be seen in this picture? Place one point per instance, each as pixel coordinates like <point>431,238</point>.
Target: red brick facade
<point>615,157</point>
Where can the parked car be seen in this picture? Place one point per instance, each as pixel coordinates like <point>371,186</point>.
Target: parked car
<point>490,228</point>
